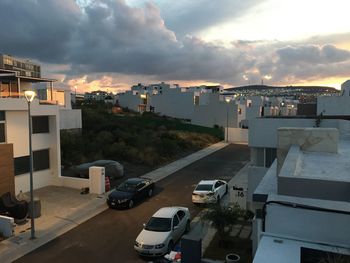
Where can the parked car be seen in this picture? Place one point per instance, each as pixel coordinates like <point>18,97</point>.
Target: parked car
<point>129,192</point>
<point>113,169</point>
<point>162,231</point>
<point>209,191</point>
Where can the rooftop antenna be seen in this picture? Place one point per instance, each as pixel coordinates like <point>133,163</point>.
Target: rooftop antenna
<point>262,82</point>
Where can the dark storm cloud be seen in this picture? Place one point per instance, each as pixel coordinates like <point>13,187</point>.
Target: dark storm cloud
<point>304,62</point>
<point>189,16</point>
<point>312,54</point>
<point>108,36</point>
<point>38,29</point>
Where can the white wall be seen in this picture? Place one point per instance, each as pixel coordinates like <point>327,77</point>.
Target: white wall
<point>263,131</point>
<point>335,105</point>
<point>17,134</point>
<point>70,119</point>
<point>215,113</point>
<point>128,100</point>
<point>316,226</point>
<point>237,135</point>
<point>174,103</point>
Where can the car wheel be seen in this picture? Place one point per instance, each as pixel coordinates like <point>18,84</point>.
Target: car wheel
<point>150,192</point>
<point>170,246</point>
<point>131,203</point>
<point>188,226</point>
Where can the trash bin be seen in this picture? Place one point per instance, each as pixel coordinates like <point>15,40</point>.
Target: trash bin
<point>37,208</point>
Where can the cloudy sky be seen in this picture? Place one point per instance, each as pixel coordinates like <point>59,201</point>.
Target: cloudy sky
<point>112,44</point>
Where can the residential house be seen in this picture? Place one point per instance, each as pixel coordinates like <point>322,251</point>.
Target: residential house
<point>51,112</point>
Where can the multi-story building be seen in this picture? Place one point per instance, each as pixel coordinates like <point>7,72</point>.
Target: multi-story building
<point>50,112</point>
<point>297,184</point>
<point>25,68</point>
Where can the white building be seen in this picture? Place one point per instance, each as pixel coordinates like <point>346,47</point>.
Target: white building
<point>51,111</point>
<point>335,105</point>
<point>299,183</point>
<point>303,201</point>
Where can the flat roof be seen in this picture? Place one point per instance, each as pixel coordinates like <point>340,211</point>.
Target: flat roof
<point>326,166</point>
<point>275,249</point>
<point>320,203</point>
<point>31,79</point>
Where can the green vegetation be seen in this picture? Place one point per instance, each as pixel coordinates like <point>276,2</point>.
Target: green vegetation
<point>223,218</point>
<point>146,139</point>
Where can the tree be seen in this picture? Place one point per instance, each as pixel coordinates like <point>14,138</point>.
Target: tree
<point>223,218</point>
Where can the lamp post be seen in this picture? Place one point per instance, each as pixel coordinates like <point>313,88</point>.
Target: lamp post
<point>227,99</point>
<point>29,95</point>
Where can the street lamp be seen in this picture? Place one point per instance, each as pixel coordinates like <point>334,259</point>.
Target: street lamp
<point>29,95</point>
<point>227,99</point>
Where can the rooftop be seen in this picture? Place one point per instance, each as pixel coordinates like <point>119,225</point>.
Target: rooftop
<point>282,249</point>
<point>326,165</point>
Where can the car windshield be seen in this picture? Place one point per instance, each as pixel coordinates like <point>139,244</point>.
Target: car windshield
<point>127,187</point>
<point>204,187</point>
<point>159,224</point>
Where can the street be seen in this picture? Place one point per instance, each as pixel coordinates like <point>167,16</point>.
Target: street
<point>109,236</point>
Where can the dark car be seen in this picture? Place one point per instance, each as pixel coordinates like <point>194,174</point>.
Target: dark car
<point>113,169</point>
<point>129,192</point>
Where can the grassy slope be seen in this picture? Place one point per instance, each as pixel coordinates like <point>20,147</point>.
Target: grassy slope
<point>147,139</point>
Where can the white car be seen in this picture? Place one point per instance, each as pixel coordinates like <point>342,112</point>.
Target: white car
<point>209,191</point>
<point>162,231</point>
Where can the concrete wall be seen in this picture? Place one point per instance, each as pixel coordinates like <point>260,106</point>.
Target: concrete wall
<point>316,226</point>
<point>314,188</point>
<point>130,101</point>
<point>70,119</point>
<point>335,105</point>
<point>309,139</point>
<point>215,113</point>
<point>237,135</point>
<point>263,131</point>
<point>174,103</point>
<point>255,175</point>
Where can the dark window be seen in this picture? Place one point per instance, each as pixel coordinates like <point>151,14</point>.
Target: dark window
<point>40,124</point>
<point>175,221</point>
<point>2,115</point>
<point>309,255</point>
<point>41,161</point>
<point>2,132</point>
<point>270,156</point>
<point>181,214</point>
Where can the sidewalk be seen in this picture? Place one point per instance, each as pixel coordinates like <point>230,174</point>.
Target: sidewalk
<point>64,208</point>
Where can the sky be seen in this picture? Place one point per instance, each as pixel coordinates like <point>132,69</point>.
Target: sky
<point>113,44</point>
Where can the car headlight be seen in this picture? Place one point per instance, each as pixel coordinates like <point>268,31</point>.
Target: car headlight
<point>159,245</point>
<point>123,200</point>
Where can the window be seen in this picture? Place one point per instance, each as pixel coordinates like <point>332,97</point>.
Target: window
<point>175,221</point>
<point>2,127</point>
<point>40,124</point>
<point>2,132</point>
<point>181,214</point>
<point>270,156</point>
<point>41,161</point>
<point>2,116</point>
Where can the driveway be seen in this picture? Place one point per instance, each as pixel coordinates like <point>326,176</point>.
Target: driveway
<point>110,235</point>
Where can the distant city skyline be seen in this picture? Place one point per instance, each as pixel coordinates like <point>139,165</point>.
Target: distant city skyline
<point>113,44</point>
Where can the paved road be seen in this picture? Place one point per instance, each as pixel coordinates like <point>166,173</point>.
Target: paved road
<point>109,236</point>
